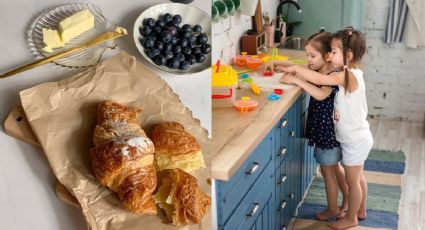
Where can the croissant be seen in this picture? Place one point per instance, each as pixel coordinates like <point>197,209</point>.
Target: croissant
<point>176,148</point>
<point>122,158</point>
<point>181,199</point>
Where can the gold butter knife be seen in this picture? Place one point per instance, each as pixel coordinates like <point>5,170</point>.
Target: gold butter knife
<point>119,31</point>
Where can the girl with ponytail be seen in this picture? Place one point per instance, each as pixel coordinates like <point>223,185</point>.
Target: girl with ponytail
<point>351,129</point>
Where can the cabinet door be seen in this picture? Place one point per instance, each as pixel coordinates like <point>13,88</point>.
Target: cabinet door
<point>265,219</point>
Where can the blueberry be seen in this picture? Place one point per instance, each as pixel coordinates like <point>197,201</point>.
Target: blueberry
<point>191,59</point>
<point>148,42</point>
<point>173,63</point>
<point>168,47</point>
<point>174,40</point>
<point>197,29</point>
<point>181,57</point>
<point>206,48</point>
<point>172,29</point>
<point>186,50</point>
<point>196,50</point>
<point>168,55</point>
<point>153,37</point>
<point>177,49</point>
<point>184,65</point>
<point>177,19</point>
<point>152,52</point>
<point>166,36</point>
<point>149,21</point>
<point>186,28</point>
<point>160,60</point>
<point>201,39</point>
<point>159,45</point>
<point>192,39</point>
<point>200,58</point>
<point>167,18</point>
<point>186,34</point>
<point>160,23</point>
<point>145,30</point>
<point>183,42</point>
<point>157,29</point>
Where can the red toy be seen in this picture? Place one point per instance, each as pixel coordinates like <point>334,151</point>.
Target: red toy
<point>278,91</point>
<point>268,73</point>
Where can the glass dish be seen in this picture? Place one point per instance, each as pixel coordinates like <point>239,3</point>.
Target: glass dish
<point>52,17</point>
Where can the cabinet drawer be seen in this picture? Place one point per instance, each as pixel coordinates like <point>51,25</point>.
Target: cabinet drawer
<point>253,203</point>
<point>230,193</point>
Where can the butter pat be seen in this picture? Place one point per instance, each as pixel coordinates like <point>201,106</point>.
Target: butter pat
<point>75,25</point>
<point>51,39</point>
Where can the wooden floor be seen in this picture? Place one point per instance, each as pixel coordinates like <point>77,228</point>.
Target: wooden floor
<point>408,137</point>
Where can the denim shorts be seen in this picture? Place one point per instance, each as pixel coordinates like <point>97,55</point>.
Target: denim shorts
<point>328,156</point>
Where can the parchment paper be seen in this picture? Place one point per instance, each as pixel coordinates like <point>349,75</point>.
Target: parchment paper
<point>63,116</point>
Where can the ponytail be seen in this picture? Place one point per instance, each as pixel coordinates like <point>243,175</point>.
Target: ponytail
<point>345,49</point>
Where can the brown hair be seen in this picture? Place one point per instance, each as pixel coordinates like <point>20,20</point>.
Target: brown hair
<point>352,41</point>
<point>321,41</point>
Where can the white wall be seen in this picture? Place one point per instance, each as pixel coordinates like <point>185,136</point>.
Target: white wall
<point>394,74</point>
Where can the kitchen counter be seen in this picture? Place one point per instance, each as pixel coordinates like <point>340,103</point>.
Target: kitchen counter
<point>27,191</point>
<point>236,135</point>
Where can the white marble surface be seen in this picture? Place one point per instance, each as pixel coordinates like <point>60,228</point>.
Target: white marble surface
<point>27,198</point>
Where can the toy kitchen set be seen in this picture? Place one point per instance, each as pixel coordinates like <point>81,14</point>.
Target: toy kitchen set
<point>262,166</point>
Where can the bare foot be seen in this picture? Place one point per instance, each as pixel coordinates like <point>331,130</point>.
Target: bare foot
<point>343,223</point>
<point>326,215</point>
<point>343,207</point>
<point>362,215</point>
<point>342,213</point>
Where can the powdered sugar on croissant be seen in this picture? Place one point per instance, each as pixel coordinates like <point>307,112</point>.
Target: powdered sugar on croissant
<point>122,158</point>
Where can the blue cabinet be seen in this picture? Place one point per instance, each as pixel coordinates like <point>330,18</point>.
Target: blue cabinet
<point>265,192</point>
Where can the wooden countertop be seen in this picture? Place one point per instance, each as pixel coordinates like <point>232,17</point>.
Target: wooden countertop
<point>236,135</point>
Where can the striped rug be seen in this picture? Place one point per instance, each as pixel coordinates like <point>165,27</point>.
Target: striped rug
<point>383,170</point>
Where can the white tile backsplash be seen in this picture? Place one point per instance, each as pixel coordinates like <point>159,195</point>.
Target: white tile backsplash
<point>226,37</point>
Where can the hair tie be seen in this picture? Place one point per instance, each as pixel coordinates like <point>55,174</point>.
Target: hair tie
<point>349,30</point>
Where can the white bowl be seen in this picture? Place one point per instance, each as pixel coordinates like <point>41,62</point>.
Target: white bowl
<point>190,15</point>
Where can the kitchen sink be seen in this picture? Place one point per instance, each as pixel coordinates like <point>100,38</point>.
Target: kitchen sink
<point>294,43</point>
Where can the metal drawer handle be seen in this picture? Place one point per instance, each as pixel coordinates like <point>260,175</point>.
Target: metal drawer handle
<point>253,168</point>
<point>283,152</point>
<point>284,122</point>
<point>283,179</point>
<point>291,195</point>
<point>283,205</point>
<point>254,209</point>
<point>292,133</point>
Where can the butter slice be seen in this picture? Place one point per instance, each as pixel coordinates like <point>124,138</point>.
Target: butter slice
<point>75,25</point>
<point>51,39</point>
<point>188,163</point>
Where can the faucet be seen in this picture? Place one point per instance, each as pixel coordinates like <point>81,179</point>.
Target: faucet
<point>279,7</point>
<point>278,17</point>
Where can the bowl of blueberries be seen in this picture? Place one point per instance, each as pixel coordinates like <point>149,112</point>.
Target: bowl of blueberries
<point>174,37</point>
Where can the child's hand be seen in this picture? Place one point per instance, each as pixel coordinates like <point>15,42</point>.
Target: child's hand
<point>266,66</point>
<point>336,116</point>
<point>288,69</point>
<point>288,79</point>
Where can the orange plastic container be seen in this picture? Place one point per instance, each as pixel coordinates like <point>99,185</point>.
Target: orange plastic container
<point>253,62</point>
<point>245,104</point>
<point>240,59</point>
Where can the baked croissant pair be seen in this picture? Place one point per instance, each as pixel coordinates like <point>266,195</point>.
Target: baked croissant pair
<point>123,160</point>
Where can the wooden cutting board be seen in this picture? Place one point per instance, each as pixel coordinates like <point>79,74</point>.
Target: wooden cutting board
<point>17,126</point>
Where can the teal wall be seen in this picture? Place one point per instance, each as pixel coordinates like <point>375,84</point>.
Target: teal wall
<point>331,14</point>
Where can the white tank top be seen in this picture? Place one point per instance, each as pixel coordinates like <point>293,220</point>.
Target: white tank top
<point>352,125</point>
